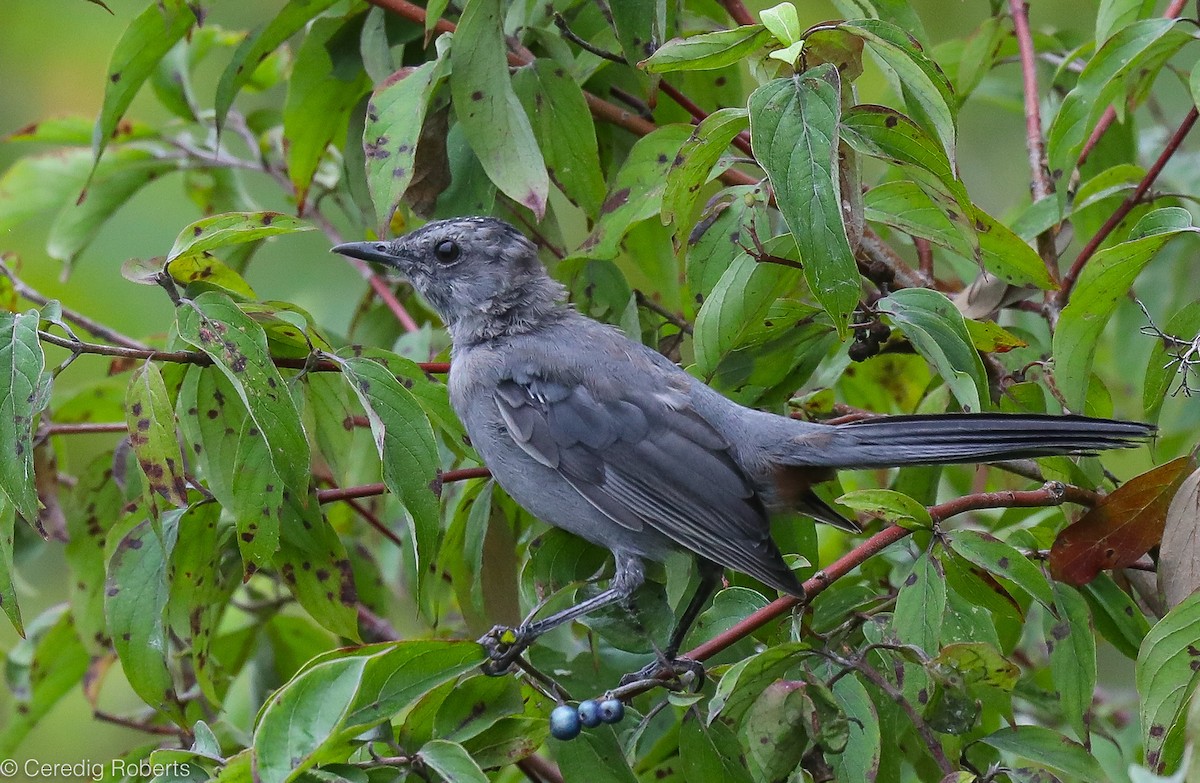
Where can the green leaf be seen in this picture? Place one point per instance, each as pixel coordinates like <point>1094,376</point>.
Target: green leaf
<point>895,507</point>
<point>707,51</point>
<point>327,82</point>
<point>936,329</point>
<point>451,762</point>
<point>1072,645</point>
<point>595,756</point>
<point>22,395</point>
<point>233,228</point>
<point>921,604</point>
<point>921,210</point>
<point>200,582</point>
<point>93,507</point>
<point>290,20</point>
<point>1116,14</point>
<point>885,133</point>
<point>8,591</point>
<point>152,434</point>
<point>783,22</point>
<point>478,703</point>
<point>1117,617</point>
<point>135,599</point>
<point>488,110</point>
<point>774,731</point>
<point>116,179</point>
<point>737,303</point>
<point>793,130</point>
<point>234,457</point>
<point>564,129</point>
<point>639,26</point>
<point>313,563</point>
<point>314,717</point>
<point>860,759</point>
<point>1002,560</point>
<point>404,439</point>
<point>213,323</point>
<point>202,272</point>
<point>926,90</point>
<point>40,669</point>
<point>1138,48</point>
<point>1100,287</point>
<point>395,116</point>
<point>690,170</point>
<point>1049,748</point>
<point>709,752</point>
<point>722,234</point>
<point>1166,677</point>
<point>742,682</point>
<point>635,192</point>
<point>143,44</point>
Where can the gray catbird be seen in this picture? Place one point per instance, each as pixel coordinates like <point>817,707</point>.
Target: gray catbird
<point>605,438</point>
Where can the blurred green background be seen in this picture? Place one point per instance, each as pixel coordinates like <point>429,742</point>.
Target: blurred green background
<point>53,55</point>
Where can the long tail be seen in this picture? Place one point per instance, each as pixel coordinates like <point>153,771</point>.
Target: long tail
<point>889,441</point>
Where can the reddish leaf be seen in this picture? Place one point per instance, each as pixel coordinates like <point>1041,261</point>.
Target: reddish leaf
<point>1122,528</point>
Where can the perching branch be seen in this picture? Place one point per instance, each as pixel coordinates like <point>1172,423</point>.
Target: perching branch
<point>1052,494</point>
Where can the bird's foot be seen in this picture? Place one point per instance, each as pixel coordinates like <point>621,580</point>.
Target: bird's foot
<point>678,672</point>
<point>504,645</point>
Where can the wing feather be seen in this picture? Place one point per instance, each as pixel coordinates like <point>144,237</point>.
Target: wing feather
<point>647,460</point>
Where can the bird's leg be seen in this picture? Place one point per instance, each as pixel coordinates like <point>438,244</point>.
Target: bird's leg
<point>504,644</point>
<point>668,660</point>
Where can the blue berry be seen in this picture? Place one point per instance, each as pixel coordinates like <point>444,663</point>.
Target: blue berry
<point>564,722</point>
<point>609,711</point>
<point>589,713</point>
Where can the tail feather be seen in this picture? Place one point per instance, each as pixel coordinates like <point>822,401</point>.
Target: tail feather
<point>889,441</point>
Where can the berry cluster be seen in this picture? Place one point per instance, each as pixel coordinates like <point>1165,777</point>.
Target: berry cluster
<point>566,721</point>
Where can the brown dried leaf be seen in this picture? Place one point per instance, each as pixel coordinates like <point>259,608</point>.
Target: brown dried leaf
<point>1179,561</point>
<point>431,166</point>
<point>51,521</point>
<point>1121,528</point>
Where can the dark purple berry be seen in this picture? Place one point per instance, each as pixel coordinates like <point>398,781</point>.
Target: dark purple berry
<point>610,711</point>
<point>564,722</point>
<point>589,713</point>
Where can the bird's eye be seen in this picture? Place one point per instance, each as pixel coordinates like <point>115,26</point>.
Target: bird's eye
<point>446,251</point>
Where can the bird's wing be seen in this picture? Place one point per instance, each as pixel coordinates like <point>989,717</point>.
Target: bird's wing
<point>647,460</point>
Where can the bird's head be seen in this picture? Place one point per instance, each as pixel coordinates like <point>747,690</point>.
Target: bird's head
<point>480,274</point>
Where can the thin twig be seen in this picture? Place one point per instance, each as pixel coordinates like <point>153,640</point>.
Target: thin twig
<point>1126,206</point>
<point>78,319</point>
<point>202,359</point>
<point>136,725</point>
<point>671,318</point>
<point>1040,183</point>
<point>570,35</point>
<point>84,428</point>
<point>379,488</point>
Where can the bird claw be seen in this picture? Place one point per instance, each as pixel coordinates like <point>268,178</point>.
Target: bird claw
<point>674,669</point>
<point>503,645</point>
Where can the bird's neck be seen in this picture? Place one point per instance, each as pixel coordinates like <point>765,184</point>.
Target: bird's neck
<point>519,310</point>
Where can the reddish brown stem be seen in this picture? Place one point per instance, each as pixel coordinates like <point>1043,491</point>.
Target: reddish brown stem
<point>1131,201</point>
<point>541,769</point>
<point>1040,183</point>
<point>379,488</point>
<point>737,12</point>
<point>1049,495</point>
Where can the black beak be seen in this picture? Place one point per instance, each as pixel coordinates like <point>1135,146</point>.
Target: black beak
<point>368,251</point>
